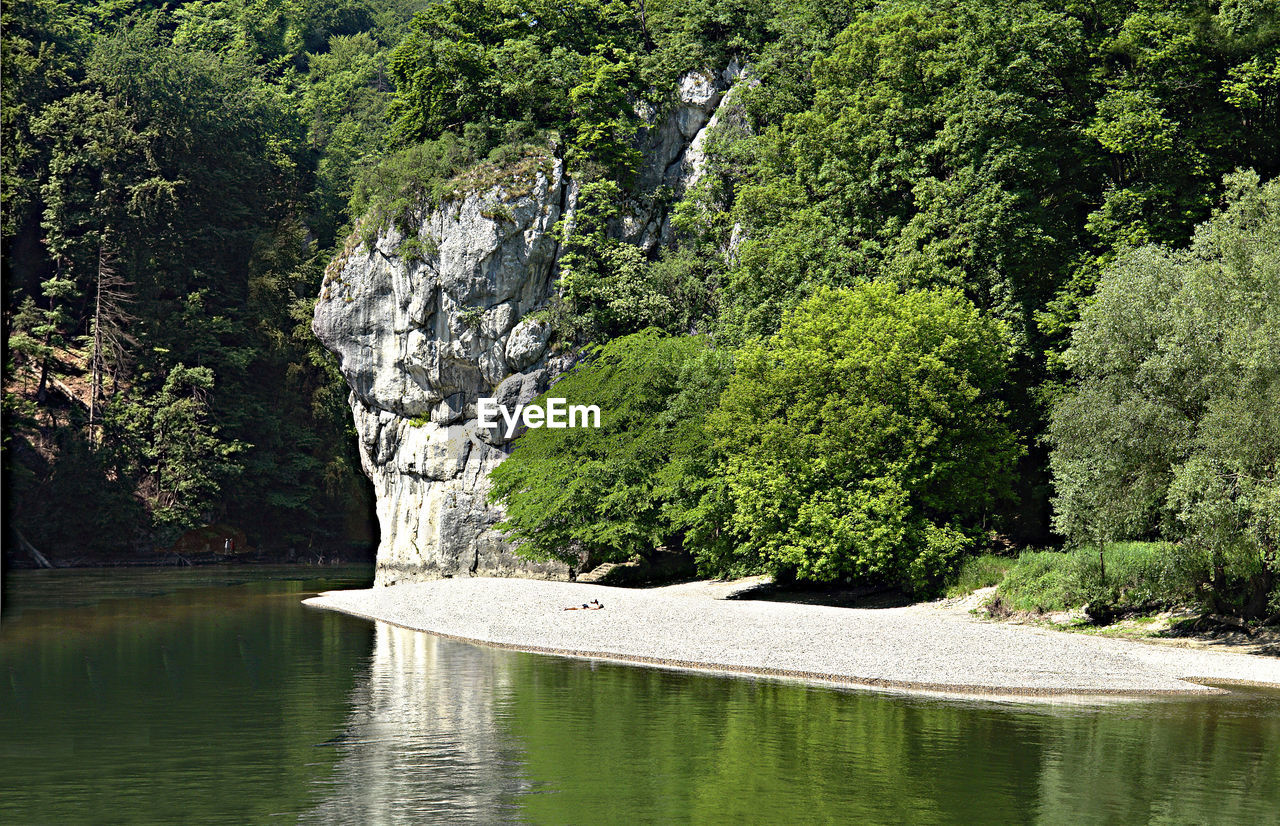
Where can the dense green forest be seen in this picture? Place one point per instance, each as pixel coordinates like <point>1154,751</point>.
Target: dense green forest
<point>960,275</point>
<point>174,176</point>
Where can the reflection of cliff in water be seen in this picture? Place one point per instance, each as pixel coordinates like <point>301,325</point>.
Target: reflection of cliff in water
<point>446,732</point>
<point>423,742</point>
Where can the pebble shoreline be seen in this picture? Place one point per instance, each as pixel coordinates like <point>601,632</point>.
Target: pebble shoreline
<point>691,626</point>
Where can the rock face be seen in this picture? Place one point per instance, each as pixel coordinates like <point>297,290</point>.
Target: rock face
<point>674,155</point>
<point>425,325</point>
<point>424,328</point>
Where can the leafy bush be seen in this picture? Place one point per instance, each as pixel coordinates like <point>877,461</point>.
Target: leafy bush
<point>609,288</point>
<point>866,438</point>
<point>1174,419</point>
<point>413,249</point>
<point>578,70</point>
<point>634,483</point>
<point>1036,583</point>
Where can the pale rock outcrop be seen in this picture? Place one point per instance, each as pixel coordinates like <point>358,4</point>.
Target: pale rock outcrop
<point>674,155</point>
<point>527,342</point>
<point>425,325</point>
<point>421,331</point>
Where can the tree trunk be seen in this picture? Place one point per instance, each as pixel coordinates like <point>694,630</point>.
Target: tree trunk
<point>1259,594</point>
<point>95,358</point>
<point>39,558</point>
<point>42,390</point>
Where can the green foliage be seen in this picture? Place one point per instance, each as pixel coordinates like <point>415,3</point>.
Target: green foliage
<point>42,47</point>
<point>1140,576</point>
<point>481,63</point>
<point>414,250</point>
<point>172,151</point>
<point>602,125</point>
<point>632,485</point>
<point>211,153</point>
<point>609,287</point>
<point>575,68</point>
<point>1173,420</point>
<point>345,101</point>
<point>169,440</point>
<point>866,438</point>
<point>981,571</point>
<point>1008,150</point>
<point>1037,582</point>
<point>916,150</point>
<point>397,189</point>
<point>604,286</point>
<point>107,514</point>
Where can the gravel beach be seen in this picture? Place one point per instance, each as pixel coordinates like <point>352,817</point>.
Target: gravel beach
<point>920,648</point>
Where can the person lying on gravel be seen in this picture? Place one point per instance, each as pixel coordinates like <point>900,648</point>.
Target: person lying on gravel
<point>593,605</point>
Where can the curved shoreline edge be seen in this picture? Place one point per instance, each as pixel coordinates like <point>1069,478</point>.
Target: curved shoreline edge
<point>665,627</point>
<point>807,677</point>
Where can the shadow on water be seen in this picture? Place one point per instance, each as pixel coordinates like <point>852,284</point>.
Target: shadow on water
<point>198,703</point>
<point>231,703</point>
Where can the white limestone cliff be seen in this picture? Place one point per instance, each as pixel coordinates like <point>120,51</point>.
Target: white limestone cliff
<point>424,326</point>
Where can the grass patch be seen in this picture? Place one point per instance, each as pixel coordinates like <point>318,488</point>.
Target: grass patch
<point>399,187</point>
<point>980,572</point>
<point>1139,576</point>
<point>415,250</point>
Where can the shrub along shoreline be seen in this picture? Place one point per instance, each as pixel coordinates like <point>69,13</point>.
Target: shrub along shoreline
<point>1126,579</point>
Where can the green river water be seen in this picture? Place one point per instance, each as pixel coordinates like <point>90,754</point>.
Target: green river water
<point>212,696</point>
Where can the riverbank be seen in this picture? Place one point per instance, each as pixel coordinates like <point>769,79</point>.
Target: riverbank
<point>932,647</point>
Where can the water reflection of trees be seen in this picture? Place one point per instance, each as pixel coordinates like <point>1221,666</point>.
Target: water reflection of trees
<point>204,705</point>
<point>447,731</point>
<point>1203,761</point>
